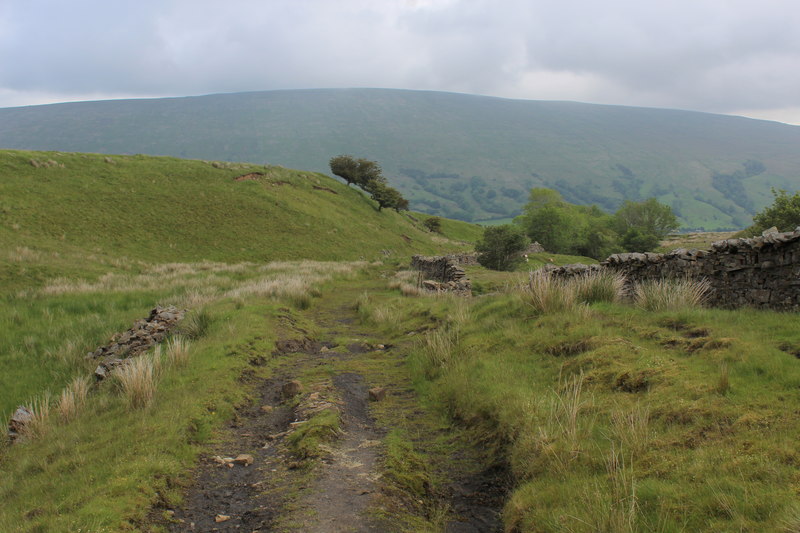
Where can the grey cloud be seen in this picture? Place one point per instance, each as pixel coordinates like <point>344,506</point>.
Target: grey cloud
<point>707,54</point>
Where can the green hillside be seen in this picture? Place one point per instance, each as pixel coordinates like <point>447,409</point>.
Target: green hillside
<point>165,209</point>
<point>461,156</point>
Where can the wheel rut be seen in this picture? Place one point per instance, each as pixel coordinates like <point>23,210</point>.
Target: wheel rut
<point>252,482</point>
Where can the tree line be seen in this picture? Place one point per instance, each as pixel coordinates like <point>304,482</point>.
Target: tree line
<point>565,228</point>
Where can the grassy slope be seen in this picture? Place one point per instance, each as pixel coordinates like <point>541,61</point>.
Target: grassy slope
<point>592,153</point>
<point>168,209</point>
<point>88,247</point>
<point>684,420</point>
<point>108,220</point>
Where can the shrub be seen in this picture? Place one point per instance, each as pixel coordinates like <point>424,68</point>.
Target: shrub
<point>670,294</point>
<point>500,247</point>
<point>433,224</point>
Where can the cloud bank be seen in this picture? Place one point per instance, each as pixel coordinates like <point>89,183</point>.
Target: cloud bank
<point>722,56</point>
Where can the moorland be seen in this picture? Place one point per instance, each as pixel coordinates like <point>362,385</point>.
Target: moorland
<point>502,411</point>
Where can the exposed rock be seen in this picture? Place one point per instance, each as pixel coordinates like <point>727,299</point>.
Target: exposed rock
<point>144,334</point>
<point>377,394</point>
<point>244,459</point>
<point>16,426</point>
<point>442,273</point>
<point>292,388</point>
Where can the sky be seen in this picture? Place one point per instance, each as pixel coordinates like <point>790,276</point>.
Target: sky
<point>718,56</point>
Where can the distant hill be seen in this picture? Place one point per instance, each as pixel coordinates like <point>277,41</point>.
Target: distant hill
<point>162,209</point>
<point>460,156</point>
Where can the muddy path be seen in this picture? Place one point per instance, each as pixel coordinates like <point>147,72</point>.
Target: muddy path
<point>255,479</point>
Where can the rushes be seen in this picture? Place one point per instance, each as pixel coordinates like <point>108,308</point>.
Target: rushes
<point>670,294</point>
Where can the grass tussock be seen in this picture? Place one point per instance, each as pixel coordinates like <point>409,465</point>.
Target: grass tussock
<point>599,286</point>
<point>670,294</point>
<point>39,424</point>
<point>547,293</point>
<point>177,352</point>
<point>72,398</point>
<point>195,324</point>
<point>408,282</point>
<point>138,380</point>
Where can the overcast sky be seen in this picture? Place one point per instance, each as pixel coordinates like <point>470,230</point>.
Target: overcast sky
<point>721,56</point>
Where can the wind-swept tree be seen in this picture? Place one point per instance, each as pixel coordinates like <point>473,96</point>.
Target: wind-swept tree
<point>359,171</point>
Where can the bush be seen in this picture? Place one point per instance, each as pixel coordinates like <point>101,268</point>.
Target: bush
<point>500,247</point>
<point>433,224</point>
<point>784,213</point>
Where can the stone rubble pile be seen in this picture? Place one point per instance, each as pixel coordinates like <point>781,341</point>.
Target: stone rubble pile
<point>759,272</point>
<point>144,334</point>
<point>442,273</point>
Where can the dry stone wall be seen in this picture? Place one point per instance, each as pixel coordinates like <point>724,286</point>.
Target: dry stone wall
<point>760,272</point>
<point>442,273</point>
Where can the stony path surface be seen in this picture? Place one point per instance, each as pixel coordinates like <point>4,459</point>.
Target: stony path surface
<point>268,490</point>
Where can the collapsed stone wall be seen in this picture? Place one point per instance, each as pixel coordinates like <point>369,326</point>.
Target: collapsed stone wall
<point>761,272</point>
<point>144,334</point>
<point>442,273</point>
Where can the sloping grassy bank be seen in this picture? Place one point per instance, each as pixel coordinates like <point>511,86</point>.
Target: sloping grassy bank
<point>166,209</point>
<point>104,465</point>
<point>616,419</point>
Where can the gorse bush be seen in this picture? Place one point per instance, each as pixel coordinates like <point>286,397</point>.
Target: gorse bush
<point>670,294</point>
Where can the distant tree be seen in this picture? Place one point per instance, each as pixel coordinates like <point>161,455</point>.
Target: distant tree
<point>345,167</point>
<point>433,224</point>
<point>359,171</point>
<point>641,225</point>
<point>387,196</point>
<point>784,213</point>
<point>501,246</point>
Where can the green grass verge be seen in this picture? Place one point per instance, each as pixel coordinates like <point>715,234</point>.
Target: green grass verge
<point>615,419</point>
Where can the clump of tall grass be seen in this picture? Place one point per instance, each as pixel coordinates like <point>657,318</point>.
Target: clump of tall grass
<point>623,508</point>
<point>632,428</point>
<point>371,313</point>
<point>599,286</point>
<point>547,293</point>
<point>38,425</point>
<point>407,282</point>
<point>439,349</point>
<point>671,294</point>
<point>195,324</point>
<point>72,398</point>
<point>138,380</point>
<point>177,350</point>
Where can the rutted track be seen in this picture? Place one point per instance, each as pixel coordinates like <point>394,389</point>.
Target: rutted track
<point>343,490</point>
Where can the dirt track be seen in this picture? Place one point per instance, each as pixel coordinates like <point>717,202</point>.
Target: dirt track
<point>343,490</point>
